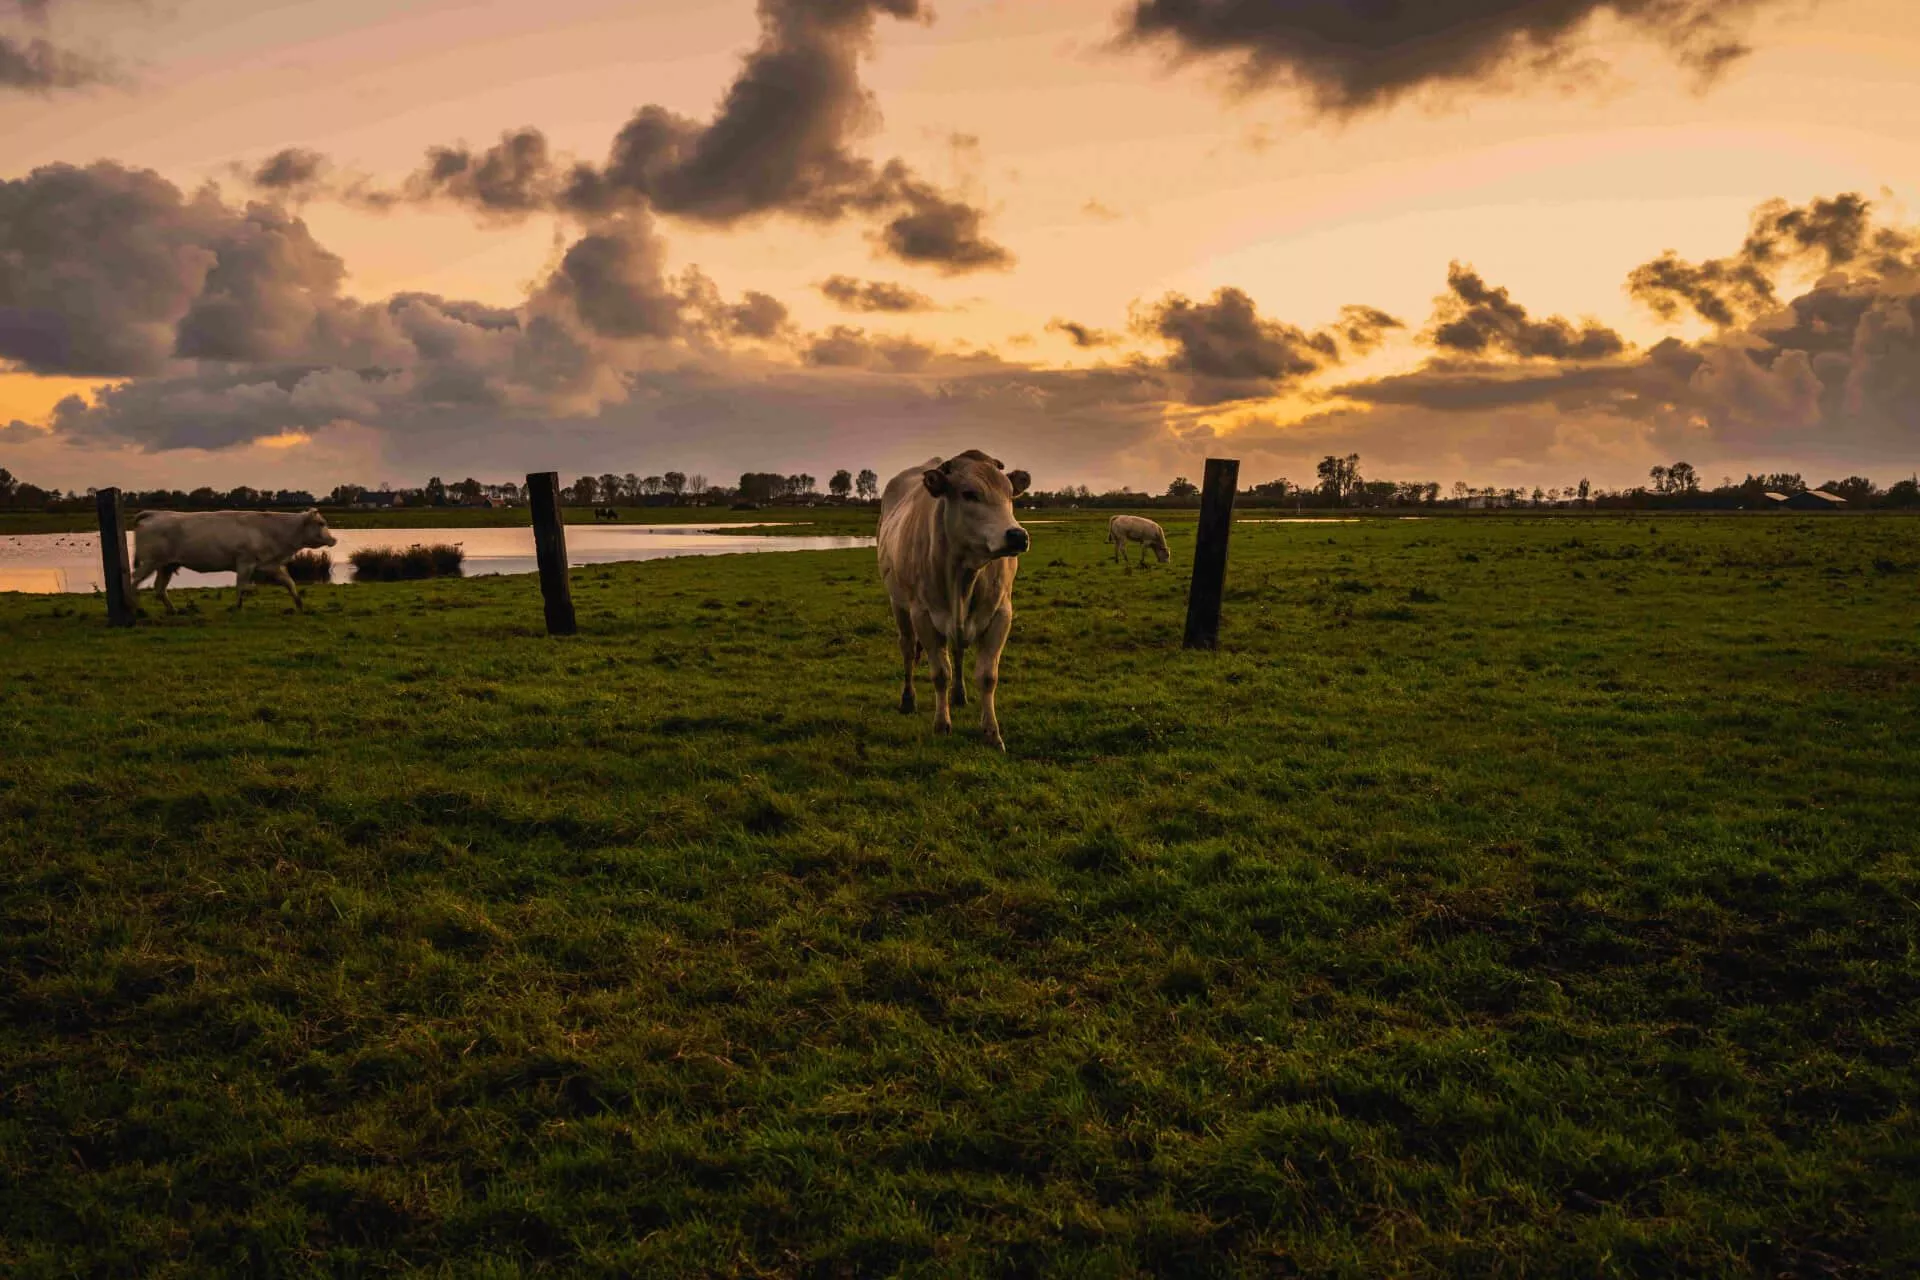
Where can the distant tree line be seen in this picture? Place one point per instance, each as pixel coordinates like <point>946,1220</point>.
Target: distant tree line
<point>673,488</point>
<point>1338,483</point>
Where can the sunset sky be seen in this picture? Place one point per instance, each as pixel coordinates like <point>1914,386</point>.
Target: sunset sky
<point>291,244</point>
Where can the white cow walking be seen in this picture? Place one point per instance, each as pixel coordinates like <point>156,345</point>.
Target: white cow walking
<point>948,545</point>
<point>242,543</point>
<point>1124,529</point>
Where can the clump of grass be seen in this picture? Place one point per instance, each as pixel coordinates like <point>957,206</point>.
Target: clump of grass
<point>388,564</point>
<point>311,566</point>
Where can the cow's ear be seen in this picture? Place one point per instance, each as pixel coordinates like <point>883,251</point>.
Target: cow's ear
<point>1019,480</point>
<point>935,478</point>
<point>999,465</point>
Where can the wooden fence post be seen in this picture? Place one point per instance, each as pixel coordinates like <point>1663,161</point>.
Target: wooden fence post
<point>118,578</point>
<point>550,549</point>
<point>1210,553</point>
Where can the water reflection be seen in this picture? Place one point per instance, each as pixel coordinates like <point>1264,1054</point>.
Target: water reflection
<point>54,562</point>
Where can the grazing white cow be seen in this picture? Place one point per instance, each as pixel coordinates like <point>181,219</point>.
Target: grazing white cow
<point>1124,529</point>
<point>239,542</point>
<point>948,546</point>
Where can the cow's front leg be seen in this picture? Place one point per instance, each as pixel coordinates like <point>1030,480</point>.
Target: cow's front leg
<point>986,673</point>
<point>909,657</point>
<point>960,664</point>
<point>940,659</point>
<point>160,587</point>
<point>964,594</point>
<point>280,575</point>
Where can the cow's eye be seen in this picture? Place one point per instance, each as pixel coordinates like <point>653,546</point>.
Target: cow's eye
<point>970,495</point>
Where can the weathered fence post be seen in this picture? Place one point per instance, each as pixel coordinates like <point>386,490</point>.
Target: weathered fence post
<point>115,574</point>
<point>1210,553</point>
<point>550,549</point>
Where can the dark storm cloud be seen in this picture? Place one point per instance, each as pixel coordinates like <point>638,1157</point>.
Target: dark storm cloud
<point>300,174</point>
<point>292,169</point>
<point>98,265</point>
<point>1719,290</point>
<point>108,271</point>
<point>1825,234</point>
<point>939,231</point>
<point>709,317</point>
<point>1473,318</point>
<point>780,142</point>
<point>757,315</point>
<point>1226,338</point>
<point>1230,351</point>
<point>477,314</point>
<point>850,294</point>
<point>34,64</point>
<point>845,347</point>
<point>1349,56</point>
<point>1363,328</point>
<point>273,293</point>
<point>613,277</point>
<point>1082,335</point>
<point>511,179</point>
<point>779,139</point>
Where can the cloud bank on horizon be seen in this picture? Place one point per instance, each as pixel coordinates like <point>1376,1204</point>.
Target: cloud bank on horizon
<point>223,324</point>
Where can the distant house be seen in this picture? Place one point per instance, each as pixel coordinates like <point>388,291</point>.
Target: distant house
<point>1808,500</point>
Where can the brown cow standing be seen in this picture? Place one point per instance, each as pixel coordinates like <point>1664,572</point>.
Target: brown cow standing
<point>948,546</point>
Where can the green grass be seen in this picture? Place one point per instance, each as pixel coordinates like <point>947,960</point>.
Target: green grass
<point>1507,897</point>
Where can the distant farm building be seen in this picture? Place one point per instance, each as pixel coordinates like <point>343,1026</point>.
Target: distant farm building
<point>1808,500</point>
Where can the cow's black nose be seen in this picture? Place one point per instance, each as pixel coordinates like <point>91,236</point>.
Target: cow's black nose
<point>1018,541</point>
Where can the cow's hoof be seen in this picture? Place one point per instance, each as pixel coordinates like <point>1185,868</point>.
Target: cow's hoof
<point>997,742</point>
<point>943,726</point>
<point>906,704</point>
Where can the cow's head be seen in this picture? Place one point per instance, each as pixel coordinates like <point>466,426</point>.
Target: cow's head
<point>1160,551</point>
<point>314,531</point>
<point>977,507</point>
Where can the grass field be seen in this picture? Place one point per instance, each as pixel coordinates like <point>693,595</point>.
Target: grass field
<point>1507,897</point>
